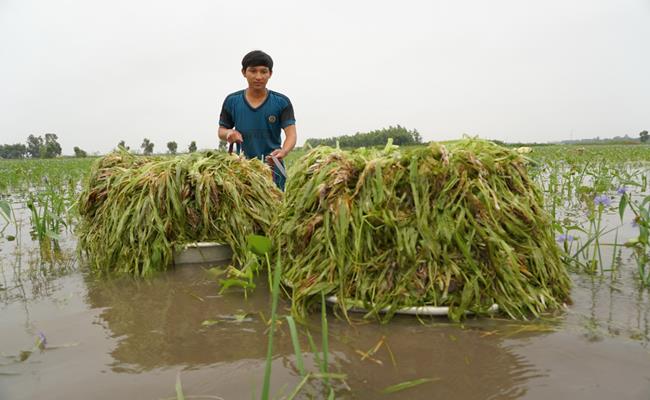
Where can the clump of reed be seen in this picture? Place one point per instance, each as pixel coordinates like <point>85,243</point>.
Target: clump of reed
<point>461,226</point>
<point>136,210</point>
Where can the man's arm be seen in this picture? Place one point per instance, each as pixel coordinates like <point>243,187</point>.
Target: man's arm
<point>289,142</point>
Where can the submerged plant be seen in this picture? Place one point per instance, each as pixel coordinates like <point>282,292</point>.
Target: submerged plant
<point>641,243</point>
<point>6,212</point>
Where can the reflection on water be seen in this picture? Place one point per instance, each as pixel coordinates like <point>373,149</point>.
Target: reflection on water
<point>177,319</point>
<point>465,363</point>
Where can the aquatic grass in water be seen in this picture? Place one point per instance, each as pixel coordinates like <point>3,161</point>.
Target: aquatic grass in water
<point>461,227</point>
<point>48,188</point>
<point>641,244</point>
<point>21,176</point>
<point>49,210</point>
<point>583,185</point>
<point>8,218</point>
<point>261,246</point>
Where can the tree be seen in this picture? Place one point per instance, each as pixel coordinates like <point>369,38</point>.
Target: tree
<point>147,147</point>
<point>172,146</point>
<point>123,145</point>
<point>52,146</point>
<point>79,153</point>
<point>17,150</point>
<point>416,136</point>
<point>34,145</point>
<point>37,147</point>
<point>643,136</point>
<point>192,147</point>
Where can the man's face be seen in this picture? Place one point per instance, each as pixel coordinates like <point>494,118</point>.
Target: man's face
<point>257,77</point>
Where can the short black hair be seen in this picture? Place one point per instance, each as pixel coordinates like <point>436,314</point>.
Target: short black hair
<point>257,58</point>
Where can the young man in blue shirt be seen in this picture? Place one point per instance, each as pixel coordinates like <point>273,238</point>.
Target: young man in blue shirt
<point>254,116</point>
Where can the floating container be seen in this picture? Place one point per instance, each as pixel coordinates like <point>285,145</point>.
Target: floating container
<point>202,253</point>
<point>422,310</point>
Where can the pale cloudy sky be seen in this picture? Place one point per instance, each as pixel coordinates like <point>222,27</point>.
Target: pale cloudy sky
<point>97,72</point>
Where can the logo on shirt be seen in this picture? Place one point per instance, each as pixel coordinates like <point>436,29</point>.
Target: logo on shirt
<point>272,119</point>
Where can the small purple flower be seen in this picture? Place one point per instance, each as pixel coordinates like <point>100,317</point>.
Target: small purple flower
<point>603,199</point>
<point>622,190</point>
<point>42,341</point>
<point>564,238</point>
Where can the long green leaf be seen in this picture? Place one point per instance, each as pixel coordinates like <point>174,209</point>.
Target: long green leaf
<point>275,291</point>
<point>179,388</point>
<point>407,385</point>
<point>5,207</point>
<point>622,205</point>
<point>296,345</point>
<point>324,334</point>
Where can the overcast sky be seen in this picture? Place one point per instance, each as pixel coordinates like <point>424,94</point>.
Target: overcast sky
<point>97,72</point>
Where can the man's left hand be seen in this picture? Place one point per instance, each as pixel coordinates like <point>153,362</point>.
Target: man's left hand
<point>277,153</point>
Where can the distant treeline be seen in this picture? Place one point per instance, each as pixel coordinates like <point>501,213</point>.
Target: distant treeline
<point>35,147</point>
<point>521,144</point>
<point>643,137</point>
<point>400,135</point>
<point>627,139</point>
<point>49,147</point>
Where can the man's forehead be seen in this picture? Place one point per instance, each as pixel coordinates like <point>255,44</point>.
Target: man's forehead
<point>257,66</point>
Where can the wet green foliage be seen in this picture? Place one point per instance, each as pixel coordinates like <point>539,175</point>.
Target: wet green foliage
<point>460,226</point>
<point>584,186</point>
<point>47,189</point>
<point>20,176</point>
<point>136,210</point>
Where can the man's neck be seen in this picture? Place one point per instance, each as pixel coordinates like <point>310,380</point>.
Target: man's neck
<point>256,93</point>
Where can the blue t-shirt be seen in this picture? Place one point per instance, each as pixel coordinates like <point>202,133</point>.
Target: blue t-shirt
<point>260,127</point>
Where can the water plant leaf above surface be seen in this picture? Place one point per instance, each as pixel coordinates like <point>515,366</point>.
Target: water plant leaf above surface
<point>258,244</point>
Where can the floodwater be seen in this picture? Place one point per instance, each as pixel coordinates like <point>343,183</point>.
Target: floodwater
<point>129,339</point>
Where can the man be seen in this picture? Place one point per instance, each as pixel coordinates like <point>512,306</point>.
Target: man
<point>253,117</point>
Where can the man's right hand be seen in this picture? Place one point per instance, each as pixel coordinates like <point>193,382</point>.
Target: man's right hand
<point>234,137</point>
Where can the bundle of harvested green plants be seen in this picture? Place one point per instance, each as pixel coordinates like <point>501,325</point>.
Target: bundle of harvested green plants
<point>460,226</point>
<point>136,210</point>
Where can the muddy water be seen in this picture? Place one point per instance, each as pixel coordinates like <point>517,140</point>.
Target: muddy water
<point>128,339</point>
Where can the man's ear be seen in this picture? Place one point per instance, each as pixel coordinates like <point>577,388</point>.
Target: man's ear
<point>243,71</point>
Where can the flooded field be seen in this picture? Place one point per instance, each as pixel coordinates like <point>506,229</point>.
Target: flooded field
<point>67,333</point>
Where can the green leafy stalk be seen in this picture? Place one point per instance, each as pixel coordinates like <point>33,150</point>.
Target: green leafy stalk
<point>275,292</point>
<point>296,345</point>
